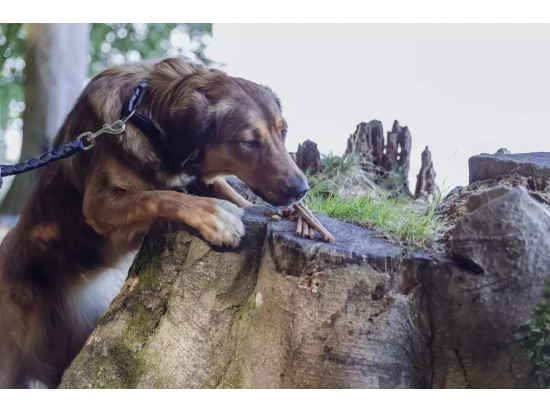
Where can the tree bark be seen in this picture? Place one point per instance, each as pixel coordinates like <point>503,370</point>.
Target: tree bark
<point>368,140</point>
<point>56,68</point>
<point>279,312</point>
<point>308,157</point>
<point>425,180</point>
<point>286,312</point>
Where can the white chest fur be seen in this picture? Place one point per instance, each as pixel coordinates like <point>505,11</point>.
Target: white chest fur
<point>87,302</point>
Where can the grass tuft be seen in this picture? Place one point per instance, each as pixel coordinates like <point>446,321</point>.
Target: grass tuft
<point>344,190</point>
<point>396,220</point>
<point>344,176</point>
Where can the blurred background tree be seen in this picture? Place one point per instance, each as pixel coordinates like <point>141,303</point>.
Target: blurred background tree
<point>109,44</point>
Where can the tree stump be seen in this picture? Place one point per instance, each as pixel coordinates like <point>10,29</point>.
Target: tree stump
<point>390,160</point>
<point>368,140</point>
<point>425,182</point>
<point>278,312</point>
<point>308,158</point>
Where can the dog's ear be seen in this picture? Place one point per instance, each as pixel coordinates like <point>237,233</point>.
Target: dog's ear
<point>186,115</point>
<point>189,129</point>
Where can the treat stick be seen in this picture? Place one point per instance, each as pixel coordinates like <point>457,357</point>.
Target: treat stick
<point>308,217</point>
<point>299,224</point>
<point>311,233</point>
<point>305,229</point>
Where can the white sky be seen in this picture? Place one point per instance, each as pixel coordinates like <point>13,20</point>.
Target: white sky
<point>462,89</point>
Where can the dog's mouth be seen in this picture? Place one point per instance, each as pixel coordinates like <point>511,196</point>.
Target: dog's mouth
<point>277,200</point>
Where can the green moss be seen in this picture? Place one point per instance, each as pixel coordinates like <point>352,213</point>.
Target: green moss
<point>232,382</point>
<point>535,341</point>
<point>138,367</point>
<point>243,313</point>
<point>148,276</point>
<point>142,323</point>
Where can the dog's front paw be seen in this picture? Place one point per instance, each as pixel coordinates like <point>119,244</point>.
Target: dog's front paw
<point>224,226</point>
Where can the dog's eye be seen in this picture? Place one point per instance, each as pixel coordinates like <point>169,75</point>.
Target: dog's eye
<point>250,144</point>
<point>283,135</point>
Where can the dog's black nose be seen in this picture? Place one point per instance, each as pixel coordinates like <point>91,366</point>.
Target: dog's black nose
<point>298,189</point>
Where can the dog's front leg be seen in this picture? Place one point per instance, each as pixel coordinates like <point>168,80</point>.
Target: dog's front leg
<point>117,210</point>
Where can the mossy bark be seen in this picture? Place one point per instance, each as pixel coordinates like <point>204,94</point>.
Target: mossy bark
<point>278,312</point>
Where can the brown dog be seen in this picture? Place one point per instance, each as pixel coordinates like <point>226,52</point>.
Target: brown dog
<point>70,251</point>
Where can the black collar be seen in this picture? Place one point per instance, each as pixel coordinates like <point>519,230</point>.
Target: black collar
<point>142,122</point>
<point>147,127</point>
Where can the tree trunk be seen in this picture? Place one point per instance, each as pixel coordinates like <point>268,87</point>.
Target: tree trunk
<point>56,68</point>
<point>279,312</point>
<point>425,180</point>
<point>368,140</point>
<point>308,157</point>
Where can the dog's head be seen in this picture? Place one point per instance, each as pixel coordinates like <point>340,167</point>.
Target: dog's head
<point>228,126</point>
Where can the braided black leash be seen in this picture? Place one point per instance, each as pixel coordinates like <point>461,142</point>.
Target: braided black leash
<point>83,142</point>
<point>87,140</point>
<point>50,156</point>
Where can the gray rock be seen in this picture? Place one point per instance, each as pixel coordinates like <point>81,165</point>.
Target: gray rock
<point>444,208</point>
<point>503,151</point>
<point>475,201</point>
<point>535,166</point>
<point>503,251</point>
<point>457,190</point>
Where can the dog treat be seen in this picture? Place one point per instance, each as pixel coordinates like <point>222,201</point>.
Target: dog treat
<point>311,233</point>
<point>306,223</point>
<point>313,222</point>
<point>299,224</point>
<point>305,229</point>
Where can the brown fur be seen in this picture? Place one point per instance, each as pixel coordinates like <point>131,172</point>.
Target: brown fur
<point>88,212</point>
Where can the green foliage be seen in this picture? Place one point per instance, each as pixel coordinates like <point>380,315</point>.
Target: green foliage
<point>12,77</point>
<point>535,341</point>
<point>396,220</point>
<point>116,43</point>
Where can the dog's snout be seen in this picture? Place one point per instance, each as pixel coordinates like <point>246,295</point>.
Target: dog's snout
<point>298,188</point>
